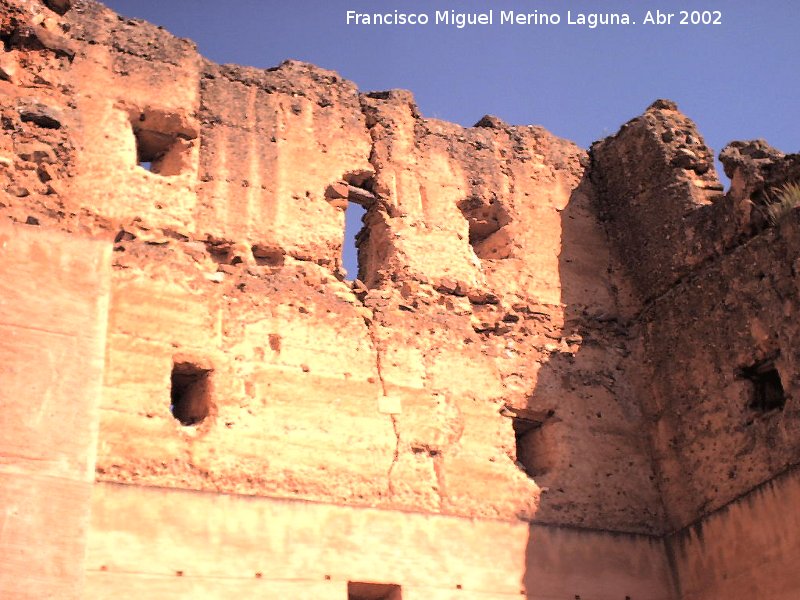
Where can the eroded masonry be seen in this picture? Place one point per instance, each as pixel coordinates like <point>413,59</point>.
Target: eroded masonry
<point>559,374</point>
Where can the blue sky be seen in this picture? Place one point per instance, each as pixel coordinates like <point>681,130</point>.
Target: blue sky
<point>737,80</point>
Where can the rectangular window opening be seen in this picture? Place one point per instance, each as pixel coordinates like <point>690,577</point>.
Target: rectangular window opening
<point>190,393</point>
<point>359,590</point>
<point>355,195</point>
<point>353,226</point>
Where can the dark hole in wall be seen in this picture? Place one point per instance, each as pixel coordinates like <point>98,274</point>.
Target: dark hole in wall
<point>357,590</point>
<point>531,451</point>
<point>59,6</point>
<point>219,254</point>
<point>766,392</point>
<point>190,393</point>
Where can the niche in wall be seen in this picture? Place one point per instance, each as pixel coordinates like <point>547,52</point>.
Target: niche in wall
<point>190,393</point>
<point>532,454</point>
<point>766,388</point>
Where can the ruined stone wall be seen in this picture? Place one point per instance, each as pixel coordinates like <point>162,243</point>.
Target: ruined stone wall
<point>717,314</point>
<point>661,198</point>
<point>382,393</point>
<point>714,442</point>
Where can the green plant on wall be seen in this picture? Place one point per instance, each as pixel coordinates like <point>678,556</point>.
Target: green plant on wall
<point>784,199</point>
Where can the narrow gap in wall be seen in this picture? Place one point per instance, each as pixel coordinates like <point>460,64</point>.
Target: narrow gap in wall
<point>723,178</point>
<point>190,393</point>
<point>359,590</point>
<point>357,191</point>
<point>766,388</point>
<point>353,223</point>
<point>531,452</point>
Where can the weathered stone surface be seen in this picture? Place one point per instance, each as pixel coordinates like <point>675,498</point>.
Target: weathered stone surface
<point>719,296</point>
<point>732,315</point>
<point>41,115</point>
<point>53,305</point>
<point>298,119</point>
<point>282,549</point>
<point>714,559</point>
<point>757,171</point>
<point>659,191</point>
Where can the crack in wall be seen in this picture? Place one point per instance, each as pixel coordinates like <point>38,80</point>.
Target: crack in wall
<point>438,469</point>
<point>370,324</point>
<point>370,122</point>
<point>396,456</point>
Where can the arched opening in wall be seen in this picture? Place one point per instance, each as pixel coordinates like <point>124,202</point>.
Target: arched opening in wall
<point>766,393</point>
<point>190,393</point>
<point>355,195</point>
<point>357,590</point>
<point>486,218</point>
<point>533,454</point>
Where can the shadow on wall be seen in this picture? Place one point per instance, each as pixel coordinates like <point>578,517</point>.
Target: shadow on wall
<point>590,454</point>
